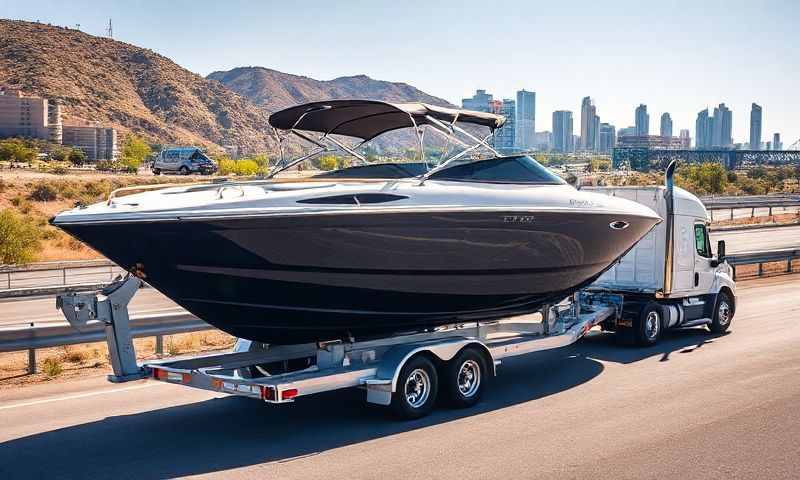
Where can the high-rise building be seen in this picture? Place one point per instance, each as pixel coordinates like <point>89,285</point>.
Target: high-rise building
<point>590,124</point>
<point>479,102</point>
<point>776,142</point>
<point>626,132</point>
<point>686,139</point>
<point>505,135</point>
<point>562,131</point>
<point>702,132</point>
<point>666,125</point>
<point>755,127</point>
<point>721,127</point>
<point>607,137</point>
<point>642,120</point>
<point>526,119</point>
<point>543,141</point>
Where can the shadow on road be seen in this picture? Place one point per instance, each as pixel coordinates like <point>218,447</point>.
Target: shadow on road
<point>232,432</point>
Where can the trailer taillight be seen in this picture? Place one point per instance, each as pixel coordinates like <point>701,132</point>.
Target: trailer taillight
<point>289,394</point>
<point>161,374</point>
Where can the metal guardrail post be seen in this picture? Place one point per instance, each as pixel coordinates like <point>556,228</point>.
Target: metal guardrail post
<point>31,361</point>
<point>159,345</point>
<point>760,268</point>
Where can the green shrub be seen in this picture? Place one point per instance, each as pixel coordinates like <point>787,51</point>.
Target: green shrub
<point>327,162</point>
<point>43,192</point>
<point>227,166</point>
<point>246,167</point>
<point>77,157</point>
<point>19,238</point>
<point>52,367</point>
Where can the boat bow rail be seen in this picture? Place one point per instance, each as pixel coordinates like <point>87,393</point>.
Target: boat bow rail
<point>281,373</point>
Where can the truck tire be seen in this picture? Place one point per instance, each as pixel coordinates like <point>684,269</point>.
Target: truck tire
<point>649,325</point>
<point>465,377</point>
<point>417,386</point>
<point>723,313</point>
<point>183,170</point>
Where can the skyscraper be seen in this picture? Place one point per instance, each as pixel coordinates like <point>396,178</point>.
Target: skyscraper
<point>666,125</point>
<point>505,136</point>
<point>755,127</point>
<point>721,127</point>
<point>686,139</point>
<point>526,119</point>
<point>776,142</point>
<point>642,120</point>
<point>702,130</point>
<point>590,123</point>
<point>607,137</point>
<point>479,102</point>
<point>562,131</point>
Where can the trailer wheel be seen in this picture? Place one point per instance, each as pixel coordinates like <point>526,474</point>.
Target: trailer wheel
<point>649,325</point>
<point>723,313</point>
<point>417,385</point>
<point>465,377</point>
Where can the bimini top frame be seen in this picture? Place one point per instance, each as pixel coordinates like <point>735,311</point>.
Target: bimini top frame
<point>367,119</point>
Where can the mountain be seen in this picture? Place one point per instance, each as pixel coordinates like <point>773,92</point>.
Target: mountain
<point>276,90</point>
<point>131,88</point>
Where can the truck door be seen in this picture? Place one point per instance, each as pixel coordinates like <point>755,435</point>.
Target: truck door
<point>703,271</point>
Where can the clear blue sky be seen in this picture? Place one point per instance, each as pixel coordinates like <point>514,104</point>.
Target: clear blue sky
<point>679,56</point>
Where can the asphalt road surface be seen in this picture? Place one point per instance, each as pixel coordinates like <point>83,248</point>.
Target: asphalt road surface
<point>694,406</point>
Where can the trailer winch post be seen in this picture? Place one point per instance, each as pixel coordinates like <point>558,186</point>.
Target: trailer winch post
<point>109,306</point>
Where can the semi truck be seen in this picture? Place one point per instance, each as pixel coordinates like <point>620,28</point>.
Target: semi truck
<point>670,279</point>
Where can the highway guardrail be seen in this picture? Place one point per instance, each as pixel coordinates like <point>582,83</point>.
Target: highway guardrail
<point>760,258</point>
<point>51,274</point>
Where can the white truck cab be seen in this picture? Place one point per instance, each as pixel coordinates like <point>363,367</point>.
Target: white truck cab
<point>671,278</point>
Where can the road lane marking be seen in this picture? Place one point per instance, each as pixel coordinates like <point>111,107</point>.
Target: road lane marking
<point>80,395</point>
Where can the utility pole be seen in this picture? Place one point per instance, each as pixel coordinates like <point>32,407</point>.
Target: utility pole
<point>109,30</point>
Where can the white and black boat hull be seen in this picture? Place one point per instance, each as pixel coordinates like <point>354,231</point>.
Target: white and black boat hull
<point>300,278</point>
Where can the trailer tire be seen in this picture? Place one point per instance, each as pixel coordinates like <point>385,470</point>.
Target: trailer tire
<point>650,324</point>
<point>465,377</point>
<point>724,310</point>
<point>416,389</point>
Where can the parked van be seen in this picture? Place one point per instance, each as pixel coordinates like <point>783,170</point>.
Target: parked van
<point>183,160</point>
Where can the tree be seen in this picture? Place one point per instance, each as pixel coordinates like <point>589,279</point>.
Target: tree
<point>134,151</point>
<point>59,154</point>
<point>328,162</point>
<point>19,238</point>
<point>77,157</point>
<point>15,150</point>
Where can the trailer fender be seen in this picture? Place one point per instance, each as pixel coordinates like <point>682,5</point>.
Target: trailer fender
<point>381,387</point>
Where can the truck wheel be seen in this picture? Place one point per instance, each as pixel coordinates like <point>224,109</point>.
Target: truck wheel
<point>184,170</point>
<point>416,390</point>
<point>465,377</point>
<point>651,322</point>
<point>723,313</point>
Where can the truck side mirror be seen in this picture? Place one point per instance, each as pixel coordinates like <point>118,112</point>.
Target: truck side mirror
<point>721,250</point>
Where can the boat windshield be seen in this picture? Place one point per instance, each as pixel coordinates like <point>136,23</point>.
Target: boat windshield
<point>513,169</point>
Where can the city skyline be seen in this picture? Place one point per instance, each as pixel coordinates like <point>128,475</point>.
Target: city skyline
<point>579,50</point>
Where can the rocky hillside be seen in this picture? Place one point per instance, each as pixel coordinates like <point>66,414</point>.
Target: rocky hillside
<point>132,88</point>
<point>275,90</point>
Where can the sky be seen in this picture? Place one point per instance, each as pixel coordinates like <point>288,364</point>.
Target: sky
<point>673,56</point>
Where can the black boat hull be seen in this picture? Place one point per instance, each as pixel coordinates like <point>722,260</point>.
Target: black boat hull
<point>294,279</point>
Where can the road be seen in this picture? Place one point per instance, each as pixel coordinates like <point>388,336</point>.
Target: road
<point>695,406</point>
<point>147,301</point>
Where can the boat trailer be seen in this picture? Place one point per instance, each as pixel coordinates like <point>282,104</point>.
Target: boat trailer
<point>282,373</point>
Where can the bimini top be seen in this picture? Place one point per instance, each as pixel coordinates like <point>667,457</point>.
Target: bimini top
<point>366,119</point>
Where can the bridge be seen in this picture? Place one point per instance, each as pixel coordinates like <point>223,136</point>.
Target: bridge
<point>643,159</point>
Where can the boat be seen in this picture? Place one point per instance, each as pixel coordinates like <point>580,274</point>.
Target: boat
<point>373,248</point>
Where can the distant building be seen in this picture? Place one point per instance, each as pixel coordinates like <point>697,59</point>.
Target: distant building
<point>755,127</point>
<point>776,142</point>
<point>666,125</point>
<point>702,134</point>
<point>496,106</point>
<point>653,142</point>
<point>721,126</point>
<point>626,132</point>
<point>642,120</point>
<point>769,146</point>
<point>505,135</point>
<point>543,141</point>
<point>686,139</point>
<point>525,120</point>
<point>590,124</point>
<point>562,131</point>
<point>479,102</point>
<point>35,117</point>
<point>607,137</point>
